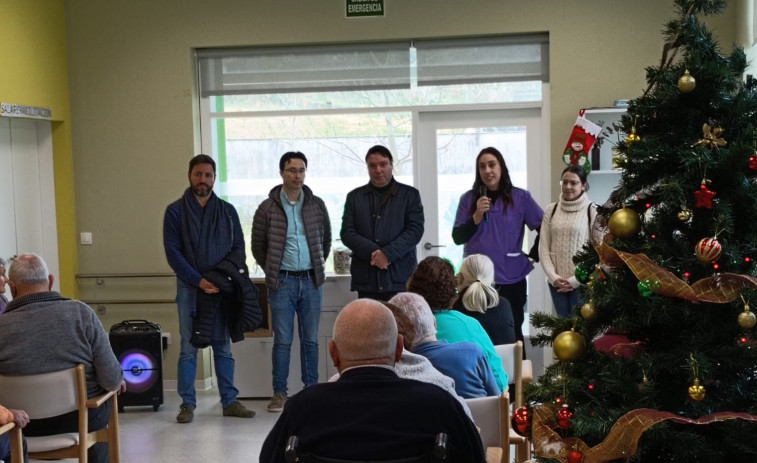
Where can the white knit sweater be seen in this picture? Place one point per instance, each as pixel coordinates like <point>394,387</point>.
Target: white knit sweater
<point>562,235</point>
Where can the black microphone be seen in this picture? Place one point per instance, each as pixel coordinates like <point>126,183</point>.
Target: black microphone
<point>482,193</point>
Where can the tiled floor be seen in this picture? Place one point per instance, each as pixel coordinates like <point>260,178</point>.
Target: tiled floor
<point>156,437</point>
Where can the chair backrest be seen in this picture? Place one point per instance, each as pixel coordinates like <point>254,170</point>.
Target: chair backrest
<point>490,415</point>
<point>44,395</point>
<point>519,371</point>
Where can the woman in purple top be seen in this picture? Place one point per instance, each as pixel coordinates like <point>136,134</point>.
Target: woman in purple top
<point>490,219</point>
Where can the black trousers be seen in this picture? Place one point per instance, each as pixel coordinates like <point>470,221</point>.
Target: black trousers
<point>516,294</point>
<point>69,422</point>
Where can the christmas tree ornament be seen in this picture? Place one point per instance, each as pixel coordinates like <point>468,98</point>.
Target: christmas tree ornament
<point>686,83</point>
<point>708,250</point>
<point>574,456</point>
<point>569,346</point>
<point>696,391</point>
<point>588,311</point>
<point>624,223</point>
<point>703,196</point>
<point>684,214</point>
<point>747,319</point>
<point>579,143</point>
<point>521,420</point>
<point>582,273</point>
<point>564,415</point>
<point>644,288</point>
<point>753,161</point>
<point>711,138</point>
<point>632,137</point>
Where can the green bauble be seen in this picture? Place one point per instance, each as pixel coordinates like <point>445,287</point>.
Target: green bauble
<point>644,288</point>
<point>582,274</point>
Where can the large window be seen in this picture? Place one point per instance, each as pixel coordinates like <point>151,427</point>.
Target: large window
<point>259,104</point>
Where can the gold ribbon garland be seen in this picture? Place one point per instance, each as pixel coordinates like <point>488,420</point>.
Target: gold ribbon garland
<point>621,441</point>
<point>721,288</point>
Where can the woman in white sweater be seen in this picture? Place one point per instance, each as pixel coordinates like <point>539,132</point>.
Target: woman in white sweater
<point>565,228</point>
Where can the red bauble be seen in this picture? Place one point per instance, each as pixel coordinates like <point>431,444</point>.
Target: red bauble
<point>563,417</point>
<point>708,250</point>
<point>574,456</point>
<point>521,420</point>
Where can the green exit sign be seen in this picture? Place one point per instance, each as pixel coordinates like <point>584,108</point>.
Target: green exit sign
<point>360,8</point>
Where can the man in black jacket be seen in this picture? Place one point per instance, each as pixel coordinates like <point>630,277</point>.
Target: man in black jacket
<point>382,224</point>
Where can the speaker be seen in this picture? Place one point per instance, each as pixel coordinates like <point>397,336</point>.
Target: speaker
<point>138,346</point>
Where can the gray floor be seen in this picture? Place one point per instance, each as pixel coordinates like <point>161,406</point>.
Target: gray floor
<point>152,437</point>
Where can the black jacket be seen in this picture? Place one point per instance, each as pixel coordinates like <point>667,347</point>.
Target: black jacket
<point>238,297</point>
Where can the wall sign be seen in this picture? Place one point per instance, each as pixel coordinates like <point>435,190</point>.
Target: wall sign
<point>362,8</point>
<point>27,112</point>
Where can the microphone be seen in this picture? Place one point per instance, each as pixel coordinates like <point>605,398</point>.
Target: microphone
<point>482,192</point>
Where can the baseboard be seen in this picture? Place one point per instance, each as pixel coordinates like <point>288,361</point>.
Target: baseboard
<point>200,384</point>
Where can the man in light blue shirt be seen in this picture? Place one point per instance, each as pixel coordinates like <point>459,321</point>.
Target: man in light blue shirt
<point>291,239</point>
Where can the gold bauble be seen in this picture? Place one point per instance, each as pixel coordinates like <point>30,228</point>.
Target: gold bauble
<point>632,137</point>
<point>684,215</point>
<point>747,319</point>
<point>569,346</point>
<point>588,311</point>
<point>686,83</point>
<point>696,390</point>
<point>624,223</point>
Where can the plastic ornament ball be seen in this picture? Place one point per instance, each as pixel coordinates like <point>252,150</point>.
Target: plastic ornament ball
<point>644,288</point>
<point>574,456</point>
<point>624,223</point>
<point>632,137</point>
<point>708,250</point>
<point>684,215</point>
<point>696,391</point>
<point>588,311</point>
<point>582,274</point>
<point>564,415</point>
<point>521,420</point>
<point>686,83</point>
<point>569,346</point>
<point>747,319</point>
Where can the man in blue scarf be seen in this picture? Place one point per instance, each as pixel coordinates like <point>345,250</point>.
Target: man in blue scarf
<point>199,231</point>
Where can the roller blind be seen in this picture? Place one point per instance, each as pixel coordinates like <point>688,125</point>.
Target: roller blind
<point>482,60</point>
<point>389,65</point>
<point>233,71</point>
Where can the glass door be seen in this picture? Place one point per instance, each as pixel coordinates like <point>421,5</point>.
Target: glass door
<point>448,143</point>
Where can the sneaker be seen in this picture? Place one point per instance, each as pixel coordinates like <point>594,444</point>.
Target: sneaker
<point>186,414</point>
<point>277,403</point>
<point>238,410</point>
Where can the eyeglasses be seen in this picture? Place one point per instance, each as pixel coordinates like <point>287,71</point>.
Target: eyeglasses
<point>293,171</point>
<point>569,183</point>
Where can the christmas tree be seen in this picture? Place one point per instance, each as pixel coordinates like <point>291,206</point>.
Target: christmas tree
<point>669,287</point>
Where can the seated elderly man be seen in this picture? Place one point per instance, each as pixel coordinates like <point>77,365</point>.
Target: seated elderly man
<point>371,413</point>
<point>42,331</point>
<point>462,361</point>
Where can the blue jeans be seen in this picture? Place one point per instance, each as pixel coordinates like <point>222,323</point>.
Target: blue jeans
<point>564,302</point>
<point>294,295</point>
<point>187,366</point>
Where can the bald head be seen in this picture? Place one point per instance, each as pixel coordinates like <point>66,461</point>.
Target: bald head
<point>28,274</point>
<point>365,333</point>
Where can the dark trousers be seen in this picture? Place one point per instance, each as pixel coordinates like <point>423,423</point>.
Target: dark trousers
<point>98,419</point>
<point>5,449</point>
<point>383,296</point>
<point>515,293</point>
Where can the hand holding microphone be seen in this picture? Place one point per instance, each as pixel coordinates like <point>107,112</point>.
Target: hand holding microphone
<point>482,194</point>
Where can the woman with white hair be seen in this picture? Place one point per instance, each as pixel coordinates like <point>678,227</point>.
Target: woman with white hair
<point>479,299</point>
<point>3,280</point>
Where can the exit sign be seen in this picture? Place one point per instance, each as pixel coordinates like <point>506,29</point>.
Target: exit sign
<point>361,8</point>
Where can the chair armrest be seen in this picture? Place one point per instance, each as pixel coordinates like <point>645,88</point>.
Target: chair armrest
<point>98,400</point>
<point>527,371</point>
<point>7,427</point>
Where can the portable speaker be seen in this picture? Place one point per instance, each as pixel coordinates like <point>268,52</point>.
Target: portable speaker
<point>139,349</point>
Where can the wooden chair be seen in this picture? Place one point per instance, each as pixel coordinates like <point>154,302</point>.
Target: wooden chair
<point>52,394</point>
<point>491,416</point>
<point>519,371</point>
<point>17,443</point>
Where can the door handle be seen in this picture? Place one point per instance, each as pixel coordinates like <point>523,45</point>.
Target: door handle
<point>428,246</point>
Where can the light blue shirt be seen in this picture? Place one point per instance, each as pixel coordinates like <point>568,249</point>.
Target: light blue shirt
<point>296,253</point>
